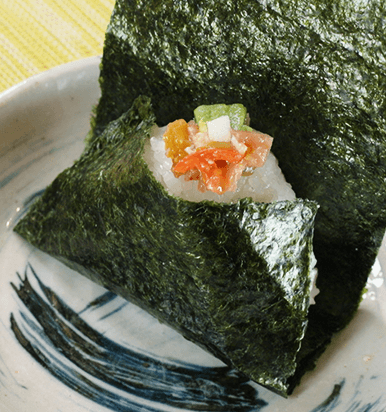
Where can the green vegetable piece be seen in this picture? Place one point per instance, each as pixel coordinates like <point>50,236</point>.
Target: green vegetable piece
<point>233,278</point>
<point>236,112</point>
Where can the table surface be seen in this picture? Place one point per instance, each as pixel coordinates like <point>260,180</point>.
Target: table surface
<point>37,35</point>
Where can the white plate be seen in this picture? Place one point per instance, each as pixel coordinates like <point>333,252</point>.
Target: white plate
<point>67,345</point>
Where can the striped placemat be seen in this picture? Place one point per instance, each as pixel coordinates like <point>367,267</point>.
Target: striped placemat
<point>36,35</point>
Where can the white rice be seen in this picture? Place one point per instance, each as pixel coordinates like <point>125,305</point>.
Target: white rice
<point>267,184</point>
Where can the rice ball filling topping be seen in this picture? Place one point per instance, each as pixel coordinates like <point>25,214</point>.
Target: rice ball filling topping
<point>216,152</point>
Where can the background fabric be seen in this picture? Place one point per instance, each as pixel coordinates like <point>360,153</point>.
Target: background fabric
<point>36,35</point>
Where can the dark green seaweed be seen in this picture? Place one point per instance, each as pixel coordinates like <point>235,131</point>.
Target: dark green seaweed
<point>233,278</point>
<point>312,75</point>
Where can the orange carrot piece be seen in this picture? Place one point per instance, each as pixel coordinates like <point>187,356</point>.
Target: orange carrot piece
<point>209,158</point>
<point>214,166</point>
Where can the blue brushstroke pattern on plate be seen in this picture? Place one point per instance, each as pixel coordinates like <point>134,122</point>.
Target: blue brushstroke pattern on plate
<point>115,376</point>
<point>124,378</point>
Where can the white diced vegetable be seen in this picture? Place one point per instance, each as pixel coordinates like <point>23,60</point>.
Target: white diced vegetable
<point>219,130</point>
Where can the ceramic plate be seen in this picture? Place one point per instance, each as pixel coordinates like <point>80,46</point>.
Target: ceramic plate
<point>67,345</point>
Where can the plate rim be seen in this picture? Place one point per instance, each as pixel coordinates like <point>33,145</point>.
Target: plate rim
<point>53,72</point>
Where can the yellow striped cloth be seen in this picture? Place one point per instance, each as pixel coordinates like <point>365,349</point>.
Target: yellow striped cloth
<point>36,35</point>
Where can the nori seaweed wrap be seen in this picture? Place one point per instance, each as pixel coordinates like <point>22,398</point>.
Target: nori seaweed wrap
<point>233,278</point>
<point>312,75</point>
